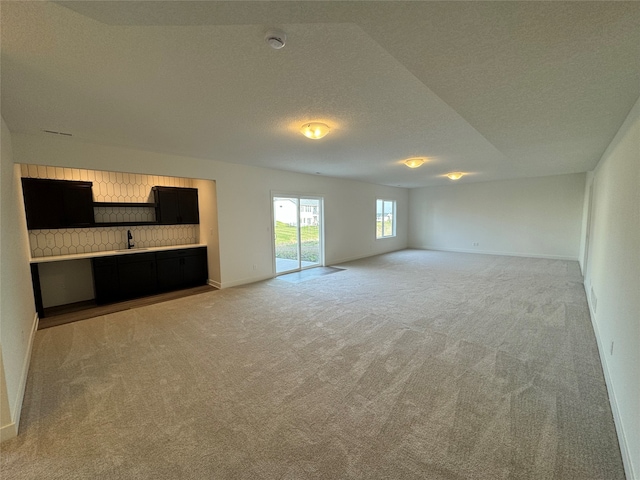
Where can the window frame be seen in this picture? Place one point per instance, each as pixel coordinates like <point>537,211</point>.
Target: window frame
<point>393,213</point>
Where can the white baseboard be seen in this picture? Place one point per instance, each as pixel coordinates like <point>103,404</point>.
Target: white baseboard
<point>8,431</point>
<point>622,438</point>
<point>245,281</point>
<point>489,252</point>
<point>360,257</point>
<point>25,373</point>
<point>215,284</point>
<point>11,430</point>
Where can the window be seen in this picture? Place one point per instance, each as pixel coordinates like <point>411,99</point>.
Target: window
<point>385,218</point>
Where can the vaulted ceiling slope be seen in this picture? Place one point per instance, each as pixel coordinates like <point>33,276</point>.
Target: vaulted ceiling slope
<point>493,89</point>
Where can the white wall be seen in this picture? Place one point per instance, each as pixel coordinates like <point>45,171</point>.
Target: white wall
<point>8,428</point>
<point>244,201</point>
<point>613,272</point>
<point>18,319</point>
<point>534,217</point>
<point>66,282</point>
<point>208,210</point>
<point>586,223</point>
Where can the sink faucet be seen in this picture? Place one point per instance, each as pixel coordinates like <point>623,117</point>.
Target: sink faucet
<point>129,238</point>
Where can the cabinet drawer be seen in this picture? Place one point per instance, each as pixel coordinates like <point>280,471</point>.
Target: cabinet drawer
<point>136,257</point>
<point>183,252</point>
<point>101,261</point>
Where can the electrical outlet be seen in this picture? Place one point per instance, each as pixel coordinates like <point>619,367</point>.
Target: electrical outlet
<point>476,244</point>
<point>255,267</point>
<point>611,350</point>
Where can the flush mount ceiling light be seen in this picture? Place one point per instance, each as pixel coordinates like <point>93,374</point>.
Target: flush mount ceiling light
<point>454,175</point>
<point>414,162</point>
<point>275,39</point>
<point>314,130</point>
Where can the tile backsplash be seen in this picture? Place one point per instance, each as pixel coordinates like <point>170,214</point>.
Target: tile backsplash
<point>46,243</point>
<point>110,187</point>
<point>124,214</point>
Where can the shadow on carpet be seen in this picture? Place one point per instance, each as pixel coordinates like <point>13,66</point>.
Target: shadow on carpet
<point>304,275</point>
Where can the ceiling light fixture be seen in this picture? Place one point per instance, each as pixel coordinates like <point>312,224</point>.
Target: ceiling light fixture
<point>454,175</point>
<point>414,162</point>
<point>314,130</point>
<point>275,39</point>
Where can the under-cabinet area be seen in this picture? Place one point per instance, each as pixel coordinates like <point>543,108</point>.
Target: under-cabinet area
<point>98,237</point>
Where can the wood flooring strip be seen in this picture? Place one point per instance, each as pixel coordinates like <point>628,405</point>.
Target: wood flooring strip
<point>97,311</point>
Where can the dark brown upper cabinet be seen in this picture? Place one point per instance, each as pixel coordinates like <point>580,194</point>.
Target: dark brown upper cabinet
<point>176,205</point>
<point>57,203</point>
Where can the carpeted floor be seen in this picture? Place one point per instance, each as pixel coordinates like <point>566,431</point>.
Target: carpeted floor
<point>410,365</point>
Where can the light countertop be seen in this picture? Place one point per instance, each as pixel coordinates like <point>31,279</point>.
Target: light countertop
<point>110,253</point>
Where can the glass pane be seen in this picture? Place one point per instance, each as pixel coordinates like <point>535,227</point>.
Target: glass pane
<point>387,210</point>
<point>309,232</point>
<point>285,228</point>
<point>378,218</point>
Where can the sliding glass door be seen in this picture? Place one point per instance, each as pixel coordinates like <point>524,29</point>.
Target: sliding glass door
<point>297,228</point>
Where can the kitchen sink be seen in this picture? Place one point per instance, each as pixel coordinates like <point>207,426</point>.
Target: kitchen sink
<point>134,249</point>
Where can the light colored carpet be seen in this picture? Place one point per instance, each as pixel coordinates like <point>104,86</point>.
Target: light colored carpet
<point>410,365</point>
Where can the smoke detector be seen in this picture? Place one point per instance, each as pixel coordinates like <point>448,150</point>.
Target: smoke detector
<point>275,39</point>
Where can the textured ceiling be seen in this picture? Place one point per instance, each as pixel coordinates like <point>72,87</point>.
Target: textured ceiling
<point>494,89</point>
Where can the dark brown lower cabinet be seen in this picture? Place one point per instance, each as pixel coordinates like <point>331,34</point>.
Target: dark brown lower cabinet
<point>135,275</point>
<point>106,280</point>
<point>169,273</point>
<point>181,268</point>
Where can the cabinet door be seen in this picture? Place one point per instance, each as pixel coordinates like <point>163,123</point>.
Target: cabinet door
<point>43,204</point>
<point>169,273</point>
<point>78,205</point>
<point>176,205</point>
<point>57,203</point>
<point>188,206</point>
<point>137,275</point>
<point>105,280</point>
<point>167,200</point>
<point>181,268</point>
<point>194,269</point>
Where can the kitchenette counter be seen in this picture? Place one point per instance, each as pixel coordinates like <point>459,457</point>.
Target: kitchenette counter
<point>109,253</point>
